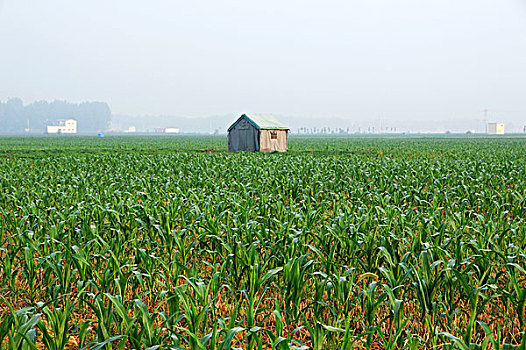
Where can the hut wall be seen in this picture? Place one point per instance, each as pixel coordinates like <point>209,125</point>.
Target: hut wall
<point>243,137</point>
<point>270,144</point>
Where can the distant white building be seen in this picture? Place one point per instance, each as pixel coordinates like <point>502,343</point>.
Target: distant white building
<point>167,130</point>
<point>131,129</point>
<point>495,128</point>
<point>63,126</point>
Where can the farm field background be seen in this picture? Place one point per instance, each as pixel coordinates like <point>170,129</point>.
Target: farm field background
<point>341,243</point>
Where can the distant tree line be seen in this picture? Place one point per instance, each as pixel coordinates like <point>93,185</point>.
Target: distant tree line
<point>344,131</point>
<point>17,118</point>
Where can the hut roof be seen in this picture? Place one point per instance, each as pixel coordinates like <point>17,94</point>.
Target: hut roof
<point>262,121</point>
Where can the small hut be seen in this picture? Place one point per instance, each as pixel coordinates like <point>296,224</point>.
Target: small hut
<point>257,133</point>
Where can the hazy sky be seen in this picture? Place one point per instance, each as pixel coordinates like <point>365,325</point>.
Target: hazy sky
<point>353,59</point>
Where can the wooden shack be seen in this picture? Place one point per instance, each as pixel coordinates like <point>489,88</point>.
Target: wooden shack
<point>257,133</point>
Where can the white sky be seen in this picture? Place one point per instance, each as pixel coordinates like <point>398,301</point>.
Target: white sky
<point>351,59</point>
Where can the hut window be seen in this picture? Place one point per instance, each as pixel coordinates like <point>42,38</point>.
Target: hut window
<point>273,135</point>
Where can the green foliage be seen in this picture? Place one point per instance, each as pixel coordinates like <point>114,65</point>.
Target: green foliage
<point>342,243</point>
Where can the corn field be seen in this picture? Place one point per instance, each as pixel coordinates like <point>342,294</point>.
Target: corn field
<point>341,243</point>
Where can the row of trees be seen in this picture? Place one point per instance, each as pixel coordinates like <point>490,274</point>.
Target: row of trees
<point>17,118</point>
<point>326,130</point>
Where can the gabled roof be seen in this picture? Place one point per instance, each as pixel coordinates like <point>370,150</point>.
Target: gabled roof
<point>261,121</point>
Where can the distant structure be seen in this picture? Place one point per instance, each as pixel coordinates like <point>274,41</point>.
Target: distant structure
<point>62,126</point>
<point>167,130</point>
<point>495,128</point>
<point>132,129</point>
<point>257,133</point>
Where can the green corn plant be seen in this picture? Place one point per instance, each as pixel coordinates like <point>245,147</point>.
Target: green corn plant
<point>29,270</point>
<point>278,339</point>
<point>371,302</point>
<point>19,328</point>
<point>396,269</point>
<point>295,279</point>
<point>343,289</point>
<point>426,284</point>
<point>519,292</point>
<point>195,308</point>
<point>318,334</point>
<point>223,333</point>
<point>254,296</point>
<point>348,341</point>
<point>476,299</point>
<point>58,322</point>
<point>7,261</point>
<point>398,321</point>
<point>151,334</point>
<point>127,324</point>
<point>496,342</point>
<point>104,313</point>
